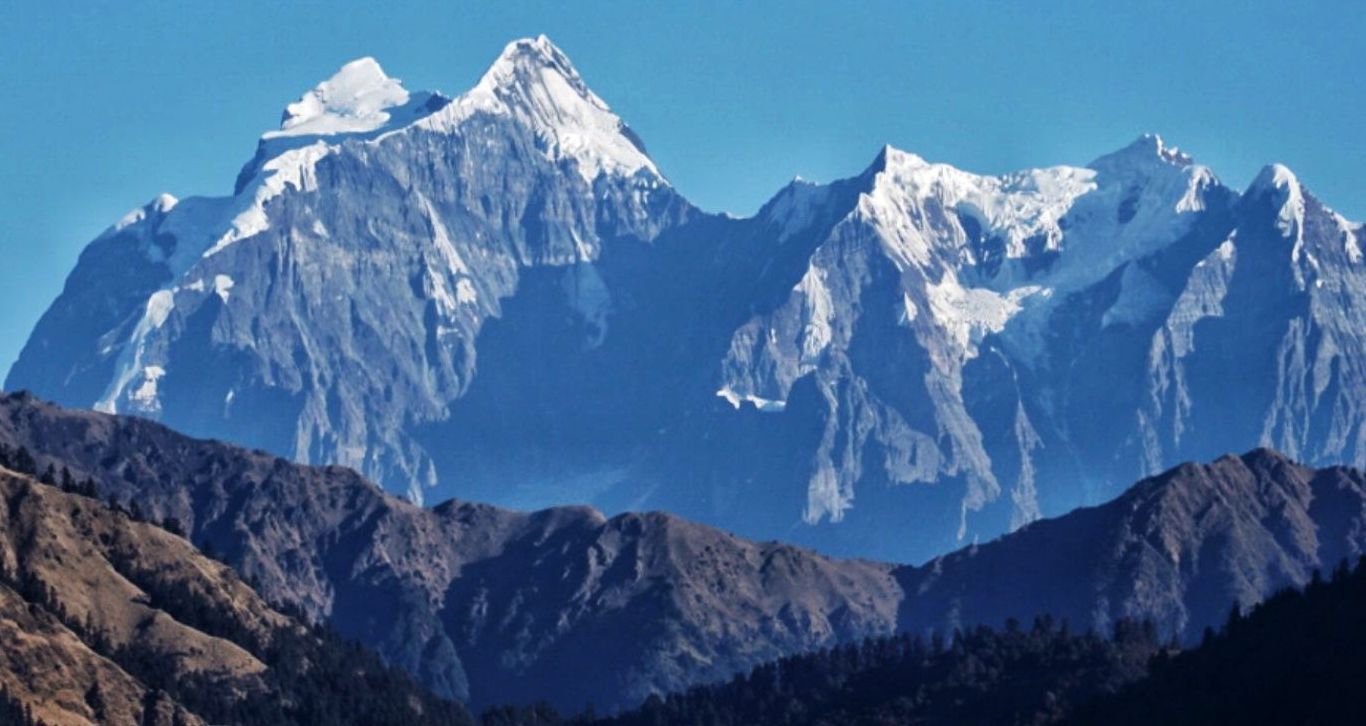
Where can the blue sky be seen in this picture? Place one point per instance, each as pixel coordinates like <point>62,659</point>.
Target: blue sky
<point>106,105</point>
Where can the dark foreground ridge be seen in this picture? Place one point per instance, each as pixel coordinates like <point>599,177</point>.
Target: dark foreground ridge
<point>1298,658</point>
<point>107,619</point>
<point>480,603</point>
<point>495,607</point>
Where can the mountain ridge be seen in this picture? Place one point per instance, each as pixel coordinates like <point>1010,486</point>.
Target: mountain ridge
<point>476,601</point>
<point>497,605</point>
<point>505,300</point>
<point>112,620</point>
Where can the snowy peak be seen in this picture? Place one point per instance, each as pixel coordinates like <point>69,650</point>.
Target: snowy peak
<point>536,84</point>
<point>1280,185</point>
<point>532,83</point>
<point>356,99</point>
<point>892,158</point>
<point>164,203</point>
<point>523,65</point>
<point>916,201</point>
<point>1275,178</point>
<point>153,210</point>
<point>1145,151</point>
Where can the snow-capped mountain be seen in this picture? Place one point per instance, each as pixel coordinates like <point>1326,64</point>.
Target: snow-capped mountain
<point>499,296</point>
<point>366,244</point>
<point>959,266</point>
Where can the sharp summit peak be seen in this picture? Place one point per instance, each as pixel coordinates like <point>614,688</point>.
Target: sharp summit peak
<point>523,63</point>
<point>1148,147</point>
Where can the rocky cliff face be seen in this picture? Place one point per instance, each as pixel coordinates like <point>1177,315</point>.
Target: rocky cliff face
<point>332,306</point>
<point>499,296</point>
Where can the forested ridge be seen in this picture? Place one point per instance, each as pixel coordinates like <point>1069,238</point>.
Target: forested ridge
<point>1297,658</point>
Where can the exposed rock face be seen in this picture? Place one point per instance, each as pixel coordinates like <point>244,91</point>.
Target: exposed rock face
<point>1001,348</point>
<point>332,305</point>
<point>498,296</point>
<point>101,616</point>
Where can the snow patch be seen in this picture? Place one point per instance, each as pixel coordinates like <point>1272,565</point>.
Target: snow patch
<point>159,307</point>
<point>968,314</point>
<point>908,310</point>
<point>465,292</point>
<point>1351,239</point>
<point>818,312</point>
<point>130,363</point>
<point>764,405</point>
<point>222,286</point>
<point>1278,181</point>
<point>162,204</point>
<point>292,169</point>
<point>146,394</point>
<point>441,238</point>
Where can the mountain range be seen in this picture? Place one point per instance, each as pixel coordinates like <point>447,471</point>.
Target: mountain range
<point>499,296</point>
<point>496,607</point>
<point>483,604</point>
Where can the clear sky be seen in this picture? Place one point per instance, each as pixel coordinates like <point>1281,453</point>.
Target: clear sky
<point>105,105</point>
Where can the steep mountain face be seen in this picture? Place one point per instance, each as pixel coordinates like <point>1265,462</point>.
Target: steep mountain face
<point>110,620</point>
<point>499,296</point>
<point>926,315</point>
<point>498,606</point>
<point>332,304</point>
<point>482,603</point>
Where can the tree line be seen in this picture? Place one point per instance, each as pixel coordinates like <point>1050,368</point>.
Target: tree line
<point>1297,658</point>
